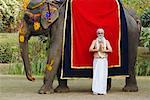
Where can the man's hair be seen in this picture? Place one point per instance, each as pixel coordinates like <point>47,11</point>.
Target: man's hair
<point>100,30</point>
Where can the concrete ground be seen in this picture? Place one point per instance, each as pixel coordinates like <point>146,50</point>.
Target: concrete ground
<point>19,88</point>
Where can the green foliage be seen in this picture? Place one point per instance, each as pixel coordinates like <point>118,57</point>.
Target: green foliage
<point>16,68</point>
<point>5,53</point>
<point>143,65</point>
<point>37,58</point>
<point>145,18</point>
<point>138,5</point>
<point>37,55</point>
<point>9,53</point>
<point>145,37</point>
<point>9,10</point>
<point>8,47</point>
<point>143,68</point>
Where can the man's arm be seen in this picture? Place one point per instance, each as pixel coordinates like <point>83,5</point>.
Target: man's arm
<point>108,47</point>
<point>92,47</point>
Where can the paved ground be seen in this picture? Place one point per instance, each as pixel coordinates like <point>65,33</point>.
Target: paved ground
<point>18,88</point>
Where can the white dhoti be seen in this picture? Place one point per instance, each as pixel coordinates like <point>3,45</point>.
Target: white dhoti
<point>100,73</point>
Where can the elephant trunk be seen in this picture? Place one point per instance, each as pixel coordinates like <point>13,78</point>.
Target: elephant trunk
<point>25,57</point>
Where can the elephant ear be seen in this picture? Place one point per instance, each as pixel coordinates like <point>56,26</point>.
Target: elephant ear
<point>49,15</point>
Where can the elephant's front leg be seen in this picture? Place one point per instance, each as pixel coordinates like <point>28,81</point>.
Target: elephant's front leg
<point>51,67</point>
<point>55,51</point>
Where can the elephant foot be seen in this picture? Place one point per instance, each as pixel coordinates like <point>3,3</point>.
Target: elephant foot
<point>131,85</point>
<point>46,90</point>
<point>61,89</point>
<point>130,89</point>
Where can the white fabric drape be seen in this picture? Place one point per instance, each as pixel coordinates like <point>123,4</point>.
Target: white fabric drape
<point>100,73</point>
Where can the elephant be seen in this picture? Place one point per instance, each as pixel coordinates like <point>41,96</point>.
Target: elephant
<point>54,31</point>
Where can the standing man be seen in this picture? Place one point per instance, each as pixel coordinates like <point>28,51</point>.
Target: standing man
<point>100,47</point>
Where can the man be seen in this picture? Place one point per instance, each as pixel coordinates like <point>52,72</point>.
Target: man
<point>100,47</point>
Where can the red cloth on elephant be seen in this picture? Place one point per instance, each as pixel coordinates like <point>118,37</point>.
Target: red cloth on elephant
<point>87,16</point>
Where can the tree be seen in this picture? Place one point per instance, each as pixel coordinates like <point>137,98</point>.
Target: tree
<point>138,5</point>
<point>9,10</point>
<point>145,18</point>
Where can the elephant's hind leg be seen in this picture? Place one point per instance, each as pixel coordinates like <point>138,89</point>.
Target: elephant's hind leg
<point>62,83</point>
<point>62,88</point>
<point>130,86</point>
<point>108,84</point>
<point>133,34</point>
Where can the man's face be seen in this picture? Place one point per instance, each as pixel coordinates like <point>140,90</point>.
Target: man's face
<point>100,34</point>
